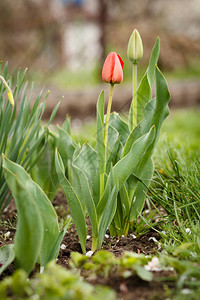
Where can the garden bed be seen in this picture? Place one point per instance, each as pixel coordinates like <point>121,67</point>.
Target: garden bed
<point>130,288</point>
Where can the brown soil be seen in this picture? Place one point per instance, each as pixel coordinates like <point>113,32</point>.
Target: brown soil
<point>131,288</point>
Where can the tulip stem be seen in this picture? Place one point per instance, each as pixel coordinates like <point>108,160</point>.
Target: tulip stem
<point>134,95</point>
<point>133,109</point>
<point>108,117</point>
<point>106,138</point>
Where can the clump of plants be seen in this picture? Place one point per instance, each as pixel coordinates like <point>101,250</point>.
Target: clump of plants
<point>107,182</point>
<point>38,236</point>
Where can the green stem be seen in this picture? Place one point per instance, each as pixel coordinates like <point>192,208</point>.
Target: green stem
<point>134,96</point>
<point>133,109</point>
<point>106,138</point>
<point>108,117</point>
<point>94,243</point>
<point>101,185</point>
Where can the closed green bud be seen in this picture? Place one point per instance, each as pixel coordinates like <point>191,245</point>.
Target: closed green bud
<point>135,47</point>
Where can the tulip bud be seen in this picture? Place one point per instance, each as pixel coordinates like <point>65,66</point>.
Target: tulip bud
<point>112,71</point>
<point>135,47</point>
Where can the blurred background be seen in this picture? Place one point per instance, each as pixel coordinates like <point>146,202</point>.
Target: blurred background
<point>64,43</point>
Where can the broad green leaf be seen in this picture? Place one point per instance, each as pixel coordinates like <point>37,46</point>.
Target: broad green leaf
<point>7,255</point>
<point>143,273</point>
<point>113,137</point>
<point>113,150</point>
<point>153,62</point>
<point>121,126</point>
<point>143,96</point>
<point>44,172</point>
<point>107,215</point>
<point>123,169</point>
<point>100,133</point>
<point>30,231</point>
<point>85,194</point>
<point>156,111</point>
<point>42,203</point>
<point>56,246</point>
<point>73,201</point>
<point>65,145</point>
<point>141,188</point>
<point>144,170</point>
<point>87,161</point>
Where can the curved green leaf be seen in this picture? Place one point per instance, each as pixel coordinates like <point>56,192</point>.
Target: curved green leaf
<point>107,215</point>
<point>73,201</point>
<point>153,62</point>
<point>56,246</point>
<point>156,111</point>
<point>88,200</point>
<point>7,255</point>
<point>121,126</point>
<point>30,231</point>
<point>39,198</point>
<point>87,161</point>
<point>124,168</point>
<point>143,96</point>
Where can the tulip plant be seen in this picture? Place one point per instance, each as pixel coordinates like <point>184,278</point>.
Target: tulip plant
<point>109,183</point>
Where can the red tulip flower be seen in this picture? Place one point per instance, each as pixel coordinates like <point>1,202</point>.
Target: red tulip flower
<point>112,73</point>
<point>113,69</point>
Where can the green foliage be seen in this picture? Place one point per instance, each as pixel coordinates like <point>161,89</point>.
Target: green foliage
<point>44,172</point>
<point>54,284</point>
<point>131,199</point>
<point>111,181</point>
<point>20,128</point>
<point>7,255</point>
<point>37,238</point>
<point>104,263</point>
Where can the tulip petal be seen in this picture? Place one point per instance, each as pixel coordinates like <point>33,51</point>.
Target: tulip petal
<point>121,61</point>
<point>112,69</point>
<point>117,76</point>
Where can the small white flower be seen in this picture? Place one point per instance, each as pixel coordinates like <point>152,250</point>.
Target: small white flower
<point>153,265</point>
<point>89,253</point>
<point>186,292</point>
<point>106,236</point>
<point>187,230</point>
<point>7,234</point>
<point>63,247</point>
<point>88,237</point>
